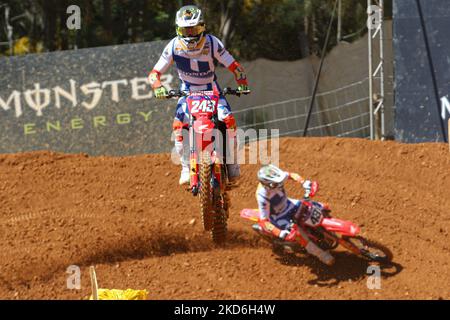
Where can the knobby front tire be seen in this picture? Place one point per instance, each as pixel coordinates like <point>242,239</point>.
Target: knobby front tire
<point>206,191</point>
<point>370,249</point>
<point>221,207</point>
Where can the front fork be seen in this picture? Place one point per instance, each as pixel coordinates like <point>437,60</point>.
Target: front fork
<point>194,172</point>
<point>193,161</point>
<point>349,246</point>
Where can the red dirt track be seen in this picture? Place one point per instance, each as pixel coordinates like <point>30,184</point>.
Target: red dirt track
<point>129,218</point>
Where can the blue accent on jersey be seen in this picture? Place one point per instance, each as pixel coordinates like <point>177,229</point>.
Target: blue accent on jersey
<point>277,199</point>
<point>183,64</point>
<point>283,220</point>
<point>203,66</point>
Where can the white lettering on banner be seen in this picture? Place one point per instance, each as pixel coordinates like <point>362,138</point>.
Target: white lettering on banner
<point>72,96</point>
<point>445,105</point>
<point>33,98</point>
<point>114,88</point>
<point>15,96</point>
<point>139,84</point>
<point>39,98</point>
<point>94,89</point>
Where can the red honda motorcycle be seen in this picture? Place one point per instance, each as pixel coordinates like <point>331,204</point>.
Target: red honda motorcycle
<point>326,232</point>
<point>208,170</point>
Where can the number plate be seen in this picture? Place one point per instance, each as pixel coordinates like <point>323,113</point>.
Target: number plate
<point>315,217</point>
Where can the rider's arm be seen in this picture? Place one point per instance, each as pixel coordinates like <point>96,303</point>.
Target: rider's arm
<point>239,74</point>
<point>264,212</point>
<point>224,57</point>
<point>311,187</point>
<point>161,66</point>
<point>296,177</point>
<point>263,203</point>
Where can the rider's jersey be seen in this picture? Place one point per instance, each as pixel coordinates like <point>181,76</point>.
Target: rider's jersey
<point>273,202</point>
<point>198,69</point>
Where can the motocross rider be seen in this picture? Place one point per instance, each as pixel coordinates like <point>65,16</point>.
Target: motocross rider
<point>194,53</point>
<point>277,211</point>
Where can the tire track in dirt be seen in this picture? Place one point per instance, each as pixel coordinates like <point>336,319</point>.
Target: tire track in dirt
<point>127,216</point>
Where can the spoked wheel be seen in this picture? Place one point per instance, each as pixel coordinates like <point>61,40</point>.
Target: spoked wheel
<point>206,209</point>
<point>219,226</point>
<point>221,212</point>
<point>227,204</point>
<point>370,249</point>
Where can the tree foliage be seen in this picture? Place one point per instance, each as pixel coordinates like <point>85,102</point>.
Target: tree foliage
<point>273,29</point>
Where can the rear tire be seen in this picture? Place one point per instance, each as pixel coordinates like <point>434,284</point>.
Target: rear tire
<point>372,250</point>
<point>206,192</point>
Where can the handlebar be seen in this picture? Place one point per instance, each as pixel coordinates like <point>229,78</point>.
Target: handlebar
<point>224,92</point>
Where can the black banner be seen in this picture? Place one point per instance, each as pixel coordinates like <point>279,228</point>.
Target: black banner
<point>96,101</point>
<point>422,69</point>
<point>220,309</point>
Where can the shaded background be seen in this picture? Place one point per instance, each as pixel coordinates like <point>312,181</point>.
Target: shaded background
<point>272,29</point>
<point>278,41</point>
<point>418,97</point>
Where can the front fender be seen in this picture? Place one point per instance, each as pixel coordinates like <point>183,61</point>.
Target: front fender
<point>204,133</point>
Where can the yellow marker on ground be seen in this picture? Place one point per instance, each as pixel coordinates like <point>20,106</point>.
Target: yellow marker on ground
<point>113,294</point>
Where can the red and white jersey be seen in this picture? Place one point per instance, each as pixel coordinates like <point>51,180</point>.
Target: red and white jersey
<point>198,68</point>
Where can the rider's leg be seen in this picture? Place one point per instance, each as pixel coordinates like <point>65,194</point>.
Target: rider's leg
<point>311,247</point>
<point>181,143</point>
<point>225,115</point>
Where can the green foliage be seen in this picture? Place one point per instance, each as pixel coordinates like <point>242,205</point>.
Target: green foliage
<point>273,29</point>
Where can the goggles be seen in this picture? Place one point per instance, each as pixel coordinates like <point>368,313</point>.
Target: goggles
<point>273,185</point>
<point>191,31</point>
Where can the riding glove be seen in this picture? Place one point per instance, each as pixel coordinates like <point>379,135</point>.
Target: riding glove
<point>160,93</point>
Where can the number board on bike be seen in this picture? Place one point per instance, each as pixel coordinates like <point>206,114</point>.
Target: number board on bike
<point>202,106</point>
<point>315,216</point>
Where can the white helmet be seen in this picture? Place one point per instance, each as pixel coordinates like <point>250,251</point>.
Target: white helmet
<point>271,176</point>
<point>190,27</point>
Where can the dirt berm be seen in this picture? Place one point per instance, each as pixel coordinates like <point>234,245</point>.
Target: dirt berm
<point>129,218</point>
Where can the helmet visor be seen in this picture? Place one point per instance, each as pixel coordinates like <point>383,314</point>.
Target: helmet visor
<point>273,185</point>
<point>191,31</point>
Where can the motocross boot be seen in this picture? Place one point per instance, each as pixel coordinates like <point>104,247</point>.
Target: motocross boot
<point>184,159</point>
<point>313,249</point>
<point>233,167</point>
<point>322,255</point>
<point>185,174</point>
